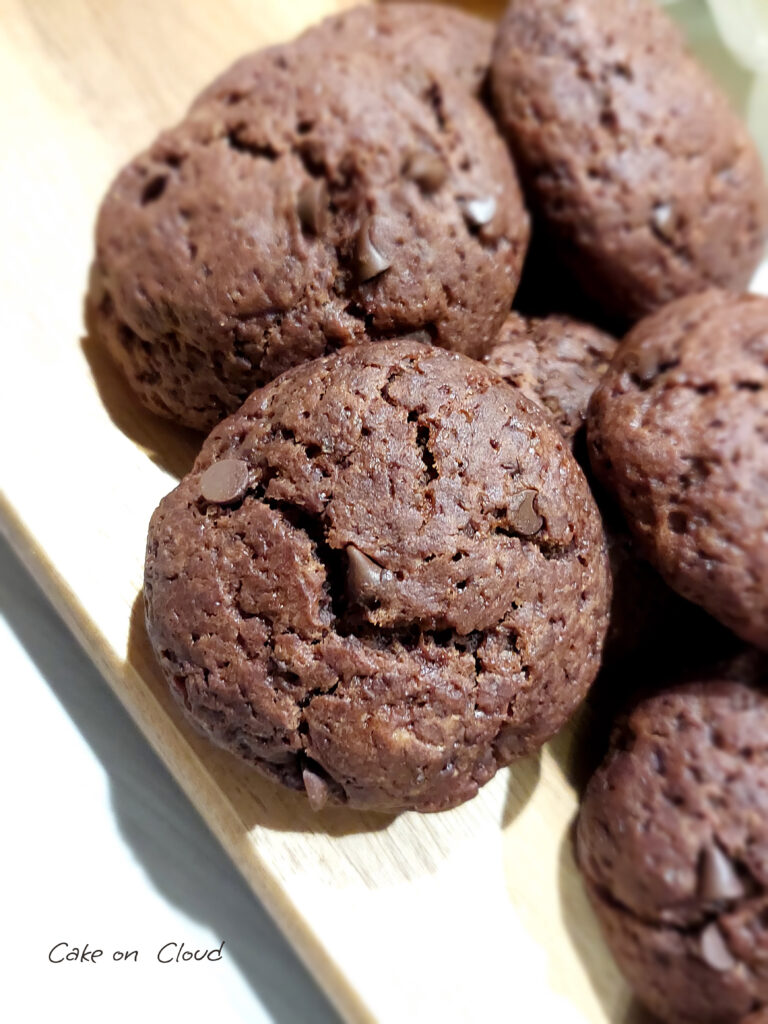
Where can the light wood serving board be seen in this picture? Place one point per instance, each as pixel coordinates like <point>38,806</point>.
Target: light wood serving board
<point>472,915</point>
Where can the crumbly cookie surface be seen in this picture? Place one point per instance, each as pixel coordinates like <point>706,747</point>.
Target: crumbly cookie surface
<point>323,203</point>
<point>673,845</point>
<point>647,181</point>
<point>384,578</point>
<point>678,430</point>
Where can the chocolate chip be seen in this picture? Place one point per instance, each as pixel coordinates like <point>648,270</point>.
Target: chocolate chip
<point>523,517</point>
<point>479,211</point>
<point>714,951</point>
<point>661,219</point>
<point>370,261</point>
<point>427,169</point>
<point>364,576</point>
<point>312,206</point>
<point>317,789</point>
<point>224,481</point>
<point>644,365</point>
<point>718,879</point>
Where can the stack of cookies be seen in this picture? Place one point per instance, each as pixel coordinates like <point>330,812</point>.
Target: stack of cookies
<point>388,265</point>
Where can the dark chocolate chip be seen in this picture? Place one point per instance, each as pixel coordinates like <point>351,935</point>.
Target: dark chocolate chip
<point>428,170</point>
<point>224,481</point>
<point>312,206</point>
<point>364,576</point>
<point>479,211</point>
<point>718,878</point>
<point>370,261</point>
<point>714,951</point>
<point>523,517</point>
<point>317,789</point>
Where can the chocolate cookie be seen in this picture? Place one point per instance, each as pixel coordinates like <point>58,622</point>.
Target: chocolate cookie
<point>678,430</point>
<point>384,578</point>
<point>672,841</point>
<point>325,203</point>
<point>556,362</point>
<point>449,42</point>
<point>647,181</point>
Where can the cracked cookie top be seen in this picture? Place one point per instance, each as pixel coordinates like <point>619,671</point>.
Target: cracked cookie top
<point>384,577</point>
<point>678,431</point>
<point>643,175</point>
<point>672,840</point>
<point>317,202</point>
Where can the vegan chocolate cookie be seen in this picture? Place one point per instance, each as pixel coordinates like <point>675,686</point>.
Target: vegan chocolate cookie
<point>672,841</point>
<point>647,182</point>
<point>409,36</point>
<point>325,203</point>
<point>384,578</point>
<point>678,430</point>
<point>556,362</point>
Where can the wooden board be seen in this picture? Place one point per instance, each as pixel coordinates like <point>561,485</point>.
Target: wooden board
<point>475,914</point>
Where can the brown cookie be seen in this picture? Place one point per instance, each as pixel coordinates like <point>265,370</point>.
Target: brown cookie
<point>678,430</point>
<point>672,841</point>
<point>384,578</point>
<point>409,36</point>
<point>556,362</point>
<point>648,183</point>
<point>325,203</point>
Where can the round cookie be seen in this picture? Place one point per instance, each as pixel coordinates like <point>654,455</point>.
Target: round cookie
<point>384,578</point>
<point>449,42</point>
<point>672,841</point>
<point>678,431</point>
<point>326,204</point>
<point>556,362</point>
<point>649,185</point>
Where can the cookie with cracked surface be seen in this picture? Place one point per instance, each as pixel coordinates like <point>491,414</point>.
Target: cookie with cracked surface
<point>648,183</point>
<point>678,431</point>
<point>556,362</point>
<point>384,578</point>
<point>323,204</point>
<point>409,36</point>
<point>672,841</point>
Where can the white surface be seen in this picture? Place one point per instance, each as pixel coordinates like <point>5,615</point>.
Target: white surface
<point>105,849</point>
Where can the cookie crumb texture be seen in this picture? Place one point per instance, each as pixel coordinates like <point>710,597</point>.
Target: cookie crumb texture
<point>556,362</point>
<point>646,179</point>
<point>317,202</point>
<point>678,430</point>
<point>672,840</point>
<point>410,592</point>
